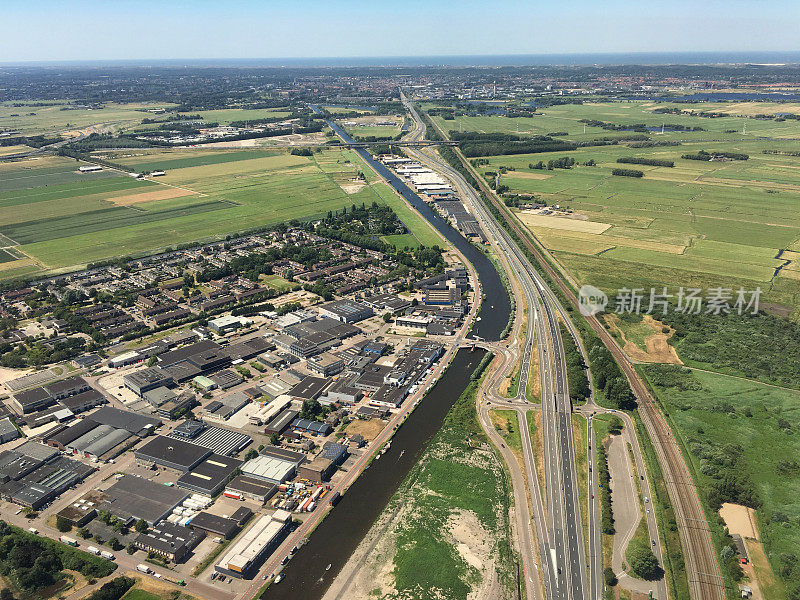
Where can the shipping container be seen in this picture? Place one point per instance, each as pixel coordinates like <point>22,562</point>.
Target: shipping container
<point>334,499</point>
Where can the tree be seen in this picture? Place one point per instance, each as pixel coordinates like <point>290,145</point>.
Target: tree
<point>130,548</point>
<point>644,563</point>
<point>151,361</point>
<point>114,544</point>
<point>251,454</point>
<point>275,439</point>
<point>140,526</point>
<point>62,524</point>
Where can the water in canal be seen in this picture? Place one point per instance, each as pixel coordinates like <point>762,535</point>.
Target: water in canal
<point>337,537</point>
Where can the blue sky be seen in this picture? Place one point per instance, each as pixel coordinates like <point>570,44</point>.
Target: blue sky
<point>145,29</point>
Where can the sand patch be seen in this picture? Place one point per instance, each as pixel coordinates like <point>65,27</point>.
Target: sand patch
<point>368,429</point>
<point>352,187</point>
<point>162,194</point>
<point>739,519</point>
<point>566,223</point>
<point>523,175</point>
<point>657,348</point>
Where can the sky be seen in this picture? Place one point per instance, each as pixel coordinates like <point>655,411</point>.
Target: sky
<point>54,30</point>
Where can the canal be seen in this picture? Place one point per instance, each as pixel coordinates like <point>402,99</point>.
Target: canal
<point>337,537</point>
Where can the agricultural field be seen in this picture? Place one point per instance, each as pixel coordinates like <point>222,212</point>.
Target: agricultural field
<point>701,224</point>
<point>749,428</point>
<point>55,219</point>
<point>62,117</point>
<point>226,116</point>
<point>368,126</point>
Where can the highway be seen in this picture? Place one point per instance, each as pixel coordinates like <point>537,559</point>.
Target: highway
<point>562,550</point>
<point>705,581</point>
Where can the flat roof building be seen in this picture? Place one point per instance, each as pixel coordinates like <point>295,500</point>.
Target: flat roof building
<point>270,469</point>
<point>346,311</point>
<point>210,476</point>
<point>132,498</point>
<point>249,551</point>
<point>172,453</point>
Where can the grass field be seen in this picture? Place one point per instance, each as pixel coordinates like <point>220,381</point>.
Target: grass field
<point>720,411</point>
<point>61,117</point>
<point>455,505</point>
<point>701,223</point>
<point>401,241</point>
<point>61,219</point>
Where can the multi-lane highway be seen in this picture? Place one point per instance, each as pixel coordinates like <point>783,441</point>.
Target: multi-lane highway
<point>562,551</point>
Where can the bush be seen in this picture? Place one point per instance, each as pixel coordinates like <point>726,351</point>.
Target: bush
<point>610,578</point>
<point>63,525</point>
<point>653,162</point>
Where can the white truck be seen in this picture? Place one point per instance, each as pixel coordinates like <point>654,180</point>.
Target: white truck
<point>94,550</point>
<point>107,555</point>
<point>143,568</point>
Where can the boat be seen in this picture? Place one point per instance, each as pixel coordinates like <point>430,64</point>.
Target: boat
<point>328,568</point>
<point>279,578</point>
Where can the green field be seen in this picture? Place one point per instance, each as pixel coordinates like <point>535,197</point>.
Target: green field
<point>401,241</point>
<point>58,219</point>
<point>454,485</point>
<point>702,223</point>
<point>751,427</point>
<point>62,116</point>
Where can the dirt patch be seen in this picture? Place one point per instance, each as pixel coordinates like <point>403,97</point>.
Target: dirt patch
<point>368,429</point>
<point>162,194</point>
<point>291,139</point>
<point>352,187</point>
<point>538,450</point>
<point>740,519</point>
<point>657,348</point>
<point>523,175</point>
<point>568,222</point>
<point>474,545</point>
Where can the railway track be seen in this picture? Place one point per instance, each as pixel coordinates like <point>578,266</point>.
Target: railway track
<point>702,568</point>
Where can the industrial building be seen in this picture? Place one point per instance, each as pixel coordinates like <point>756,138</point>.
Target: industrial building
<point>172,453</point>
<point>249,551</point>
<point>346,311</point>
<point>210,476</point>
<point>220,441</point>
<point>147,379</point>
<point>169,541</point>
<point>271,469</point>
<point>8,431</point>
<point>224,527</point>
<point>251,488</point>
<point>132,498</point>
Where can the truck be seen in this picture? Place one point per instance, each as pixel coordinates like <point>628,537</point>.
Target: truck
<point>143,568</point>
<point>94,550</point>
<point>107,555</point>
<point>334,499</point>
<point>33,530</point>
<point>68,540</point>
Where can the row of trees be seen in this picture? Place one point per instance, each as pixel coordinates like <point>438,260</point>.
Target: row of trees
<point>627,172</point>
<point>653,162</point>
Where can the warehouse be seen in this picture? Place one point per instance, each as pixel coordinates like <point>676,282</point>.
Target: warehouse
<point>31,400</point>
<point>83,510</point>
<point>214,525</point>
<point>310,388</point>
<point>224,408</point>
<point>67,387</point>
<point>136,424</point>
<point>249,551</point>
<point>346,311</point>
<point>270,469</point>
<point>281,422</point>
<point>169,541</point>
<point>325,364</point>
<point>132,498</point>
<point>99,441</point>
<point>318,470</point>
<point>251,488</point>
<point>210,476</point>
<point>334,451</point>
<point>7,430</point>
<point>147,379</point>
<point>219,440</point>
<point>226,379</point>
<point>172,453</point>
<point>225,324</point>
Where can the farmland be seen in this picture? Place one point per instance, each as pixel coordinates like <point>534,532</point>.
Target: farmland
<point>57,219</point>
<point>699,223</point>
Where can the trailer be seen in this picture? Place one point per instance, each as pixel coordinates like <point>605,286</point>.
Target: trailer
<point>94,550</point>
<point>234,495</point>
<point>68,540</point>
<point>311,507</point>
<point>334,500</point>
<point>107,555</point>
<point>143,568</point>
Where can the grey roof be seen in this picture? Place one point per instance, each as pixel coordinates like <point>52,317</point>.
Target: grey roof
<point>172,451</point>
<point>210,474</point>
<point>220,440</point>
<point>141,498</point>
<point>124,419</point>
